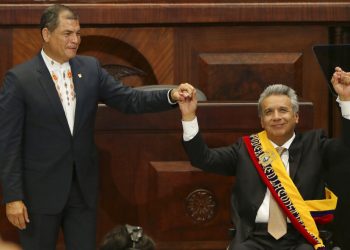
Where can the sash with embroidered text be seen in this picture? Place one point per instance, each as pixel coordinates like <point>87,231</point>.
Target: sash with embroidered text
<point>273,173</point>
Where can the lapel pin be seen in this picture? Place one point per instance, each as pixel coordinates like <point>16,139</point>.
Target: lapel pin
<point>80,75</point>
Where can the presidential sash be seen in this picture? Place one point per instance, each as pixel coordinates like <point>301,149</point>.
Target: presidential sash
<point>271,169</point>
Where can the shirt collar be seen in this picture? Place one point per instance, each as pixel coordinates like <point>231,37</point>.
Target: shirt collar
<point>287,144</point>
<point>52,64</point>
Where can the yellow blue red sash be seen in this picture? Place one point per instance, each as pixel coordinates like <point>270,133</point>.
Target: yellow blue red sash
<point>273,173</point>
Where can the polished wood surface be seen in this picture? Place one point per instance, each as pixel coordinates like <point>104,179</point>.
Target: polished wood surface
<point>6,50</point>
<point>173,12</point>
<point>212,58</point>
<point>229,49</point>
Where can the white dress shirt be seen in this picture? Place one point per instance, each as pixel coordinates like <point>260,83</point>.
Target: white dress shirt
<point>62,77</point>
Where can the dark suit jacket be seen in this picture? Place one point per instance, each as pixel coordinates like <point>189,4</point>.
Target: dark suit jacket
<point>338,181</point>
<point>308,158</point>
<point>37,149</point>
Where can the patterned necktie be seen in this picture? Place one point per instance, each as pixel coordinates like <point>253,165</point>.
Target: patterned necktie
<point>277,224</point>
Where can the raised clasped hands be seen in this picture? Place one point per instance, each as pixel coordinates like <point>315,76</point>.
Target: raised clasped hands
<point>182,93</point>
<point>341,83</point>
<point>188,102</point>
<point>17,214</point>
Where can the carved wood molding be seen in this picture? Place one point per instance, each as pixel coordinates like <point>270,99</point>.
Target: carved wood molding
<point>182,12</point>
<point>201,205</point>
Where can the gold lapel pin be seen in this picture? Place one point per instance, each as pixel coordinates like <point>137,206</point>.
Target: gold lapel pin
<point>80,75</point>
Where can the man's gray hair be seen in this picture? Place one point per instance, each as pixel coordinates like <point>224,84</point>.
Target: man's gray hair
<point>279,89</point>
<point>50,17</point>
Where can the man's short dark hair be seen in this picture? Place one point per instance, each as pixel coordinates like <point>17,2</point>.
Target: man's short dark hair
<point>50,17</point>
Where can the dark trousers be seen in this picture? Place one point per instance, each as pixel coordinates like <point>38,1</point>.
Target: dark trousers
<point>260,239</point>
<point>77,221</point>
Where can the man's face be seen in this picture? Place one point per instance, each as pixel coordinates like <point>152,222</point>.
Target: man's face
<point>62,43</point>
<point>278,118</point>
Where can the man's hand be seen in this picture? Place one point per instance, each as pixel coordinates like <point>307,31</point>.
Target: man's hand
<point>182,92</point>
<point>188,107</point>
<point>17,214</point>
<point>341,84</point>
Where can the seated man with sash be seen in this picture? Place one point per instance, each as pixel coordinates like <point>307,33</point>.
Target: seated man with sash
<point>280,195</point>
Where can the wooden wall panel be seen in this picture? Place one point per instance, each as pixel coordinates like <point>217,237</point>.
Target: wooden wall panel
<point>6,50</point>
<point>6,231</point>
<point>26,44</point>
<point>297,67</point>
<point>148,49</point>
<point>182,57</point>
<point>187,12</point>
<point>243,76</point>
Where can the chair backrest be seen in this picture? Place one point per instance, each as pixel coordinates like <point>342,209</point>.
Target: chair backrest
<point>200,95</point>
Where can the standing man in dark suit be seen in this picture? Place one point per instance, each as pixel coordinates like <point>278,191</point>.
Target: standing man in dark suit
<point>48,158</point>
<point>288,182</point>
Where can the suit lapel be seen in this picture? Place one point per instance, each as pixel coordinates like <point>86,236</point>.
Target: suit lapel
<point>295,152</point>
<point>48,85</point>
<point>77,81</point>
